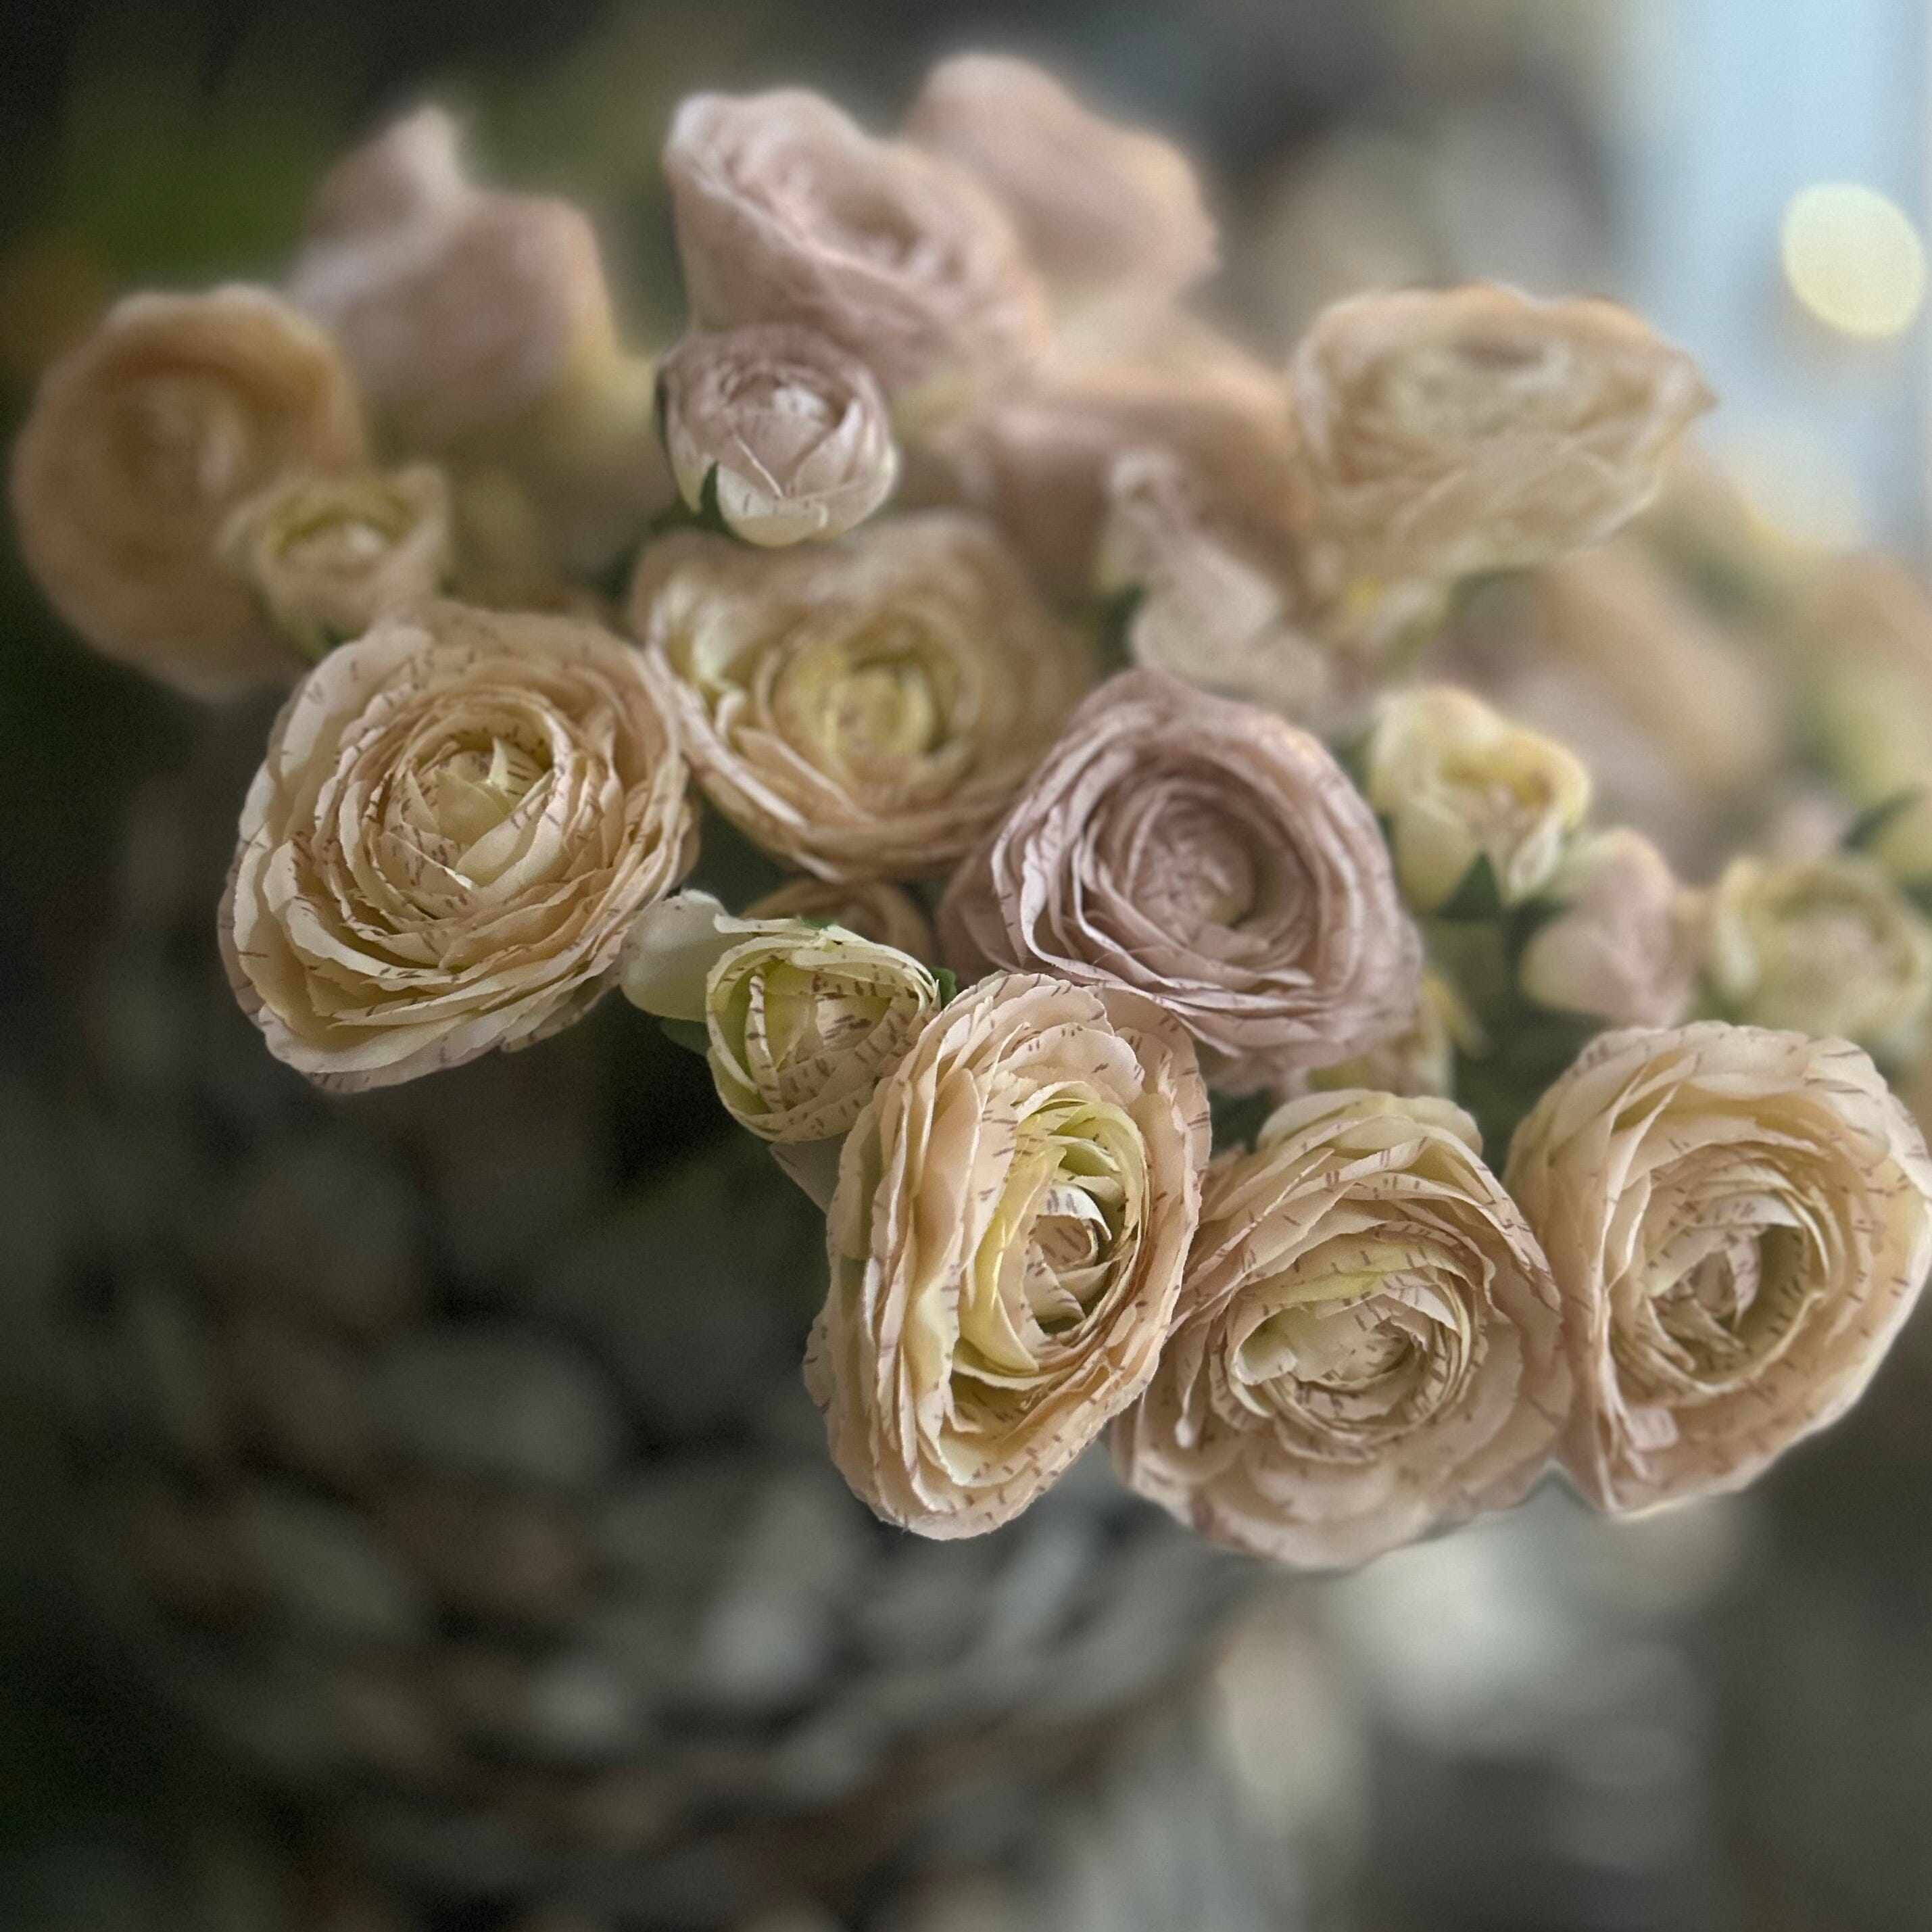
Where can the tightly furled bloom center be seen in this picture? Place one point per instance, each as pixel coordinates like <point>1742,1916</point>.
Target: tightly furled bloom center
<point>1367,1341</point>
<point>1739,1220</point>
<point>1012,1212</point>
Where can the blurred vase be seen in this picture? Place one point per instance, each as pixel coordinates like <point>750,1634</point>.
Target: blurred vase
<point>446,1449</point>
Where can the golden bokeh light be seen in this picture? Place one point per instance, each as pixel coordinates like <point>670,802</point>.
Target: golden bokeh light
<point>1853,258</point>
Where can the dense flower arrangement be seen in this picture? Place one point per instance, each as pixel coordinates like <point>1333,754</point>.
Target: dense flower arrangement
<point>1143,912</point>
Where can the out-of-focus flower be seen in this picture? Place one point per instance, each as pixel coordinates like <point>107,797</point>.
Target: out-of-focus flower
<point>863,710</point>
<point>1827,946</point>
<point>461,310</point>
<point>1627,946</point>
<point>1100,206</point>
<point>458,818</point>
<point>787,212</point>
<point>1868,624</point>
<point>1419,1060</point>
<point>1614,618</point>
<point>1457,783</point>
<point>803,1024</point>
<point>794,428</point>
<point>1038,456</point>
<point>1739,1221</point>
<point>328,555</point>
<point>1445,433</point>
<point>1013,1211</point>
<point>1212,857</point>
<point>870,907</point>
<point>1368,1343</point>
<point>141,441</point>
<point>1202,612</point>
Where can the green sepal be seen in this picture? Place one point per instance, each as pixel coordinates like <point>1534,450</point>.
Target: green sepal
<point>1478,896</point>
<point>1871,824</point>
<point>1237,1117</point>
<point>949,984</point>
<point>692,1035</point>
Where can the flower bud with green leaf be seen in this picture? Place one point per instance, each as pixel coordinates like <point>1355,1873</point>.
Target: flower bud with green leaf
<point>1478,809</point>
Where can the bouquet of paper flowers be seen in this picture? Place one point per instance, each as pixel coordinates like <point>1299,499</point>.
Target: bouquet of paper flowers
<point>975,704</point>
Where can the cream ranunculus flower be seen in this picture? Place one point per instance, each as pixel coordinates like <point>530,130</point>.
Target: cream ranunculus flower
<point>1448,432</point>
<point>1013,1214</point>
<point>1739,1221</point>
<point>141,441</point>
<point>328,555</point>
<point>458,818</point>
<point>787,212</point>
<point>1627,946</point>
<point>1826,946</point>
<point>462,310</point>
<point>794,428</point>
<point>1101,207</point>
<point>1457,783</point>
<point>870,907</point>
<point>863,710</point>
<point>804,1022</point>
<point>1368,1343</point>
<point>1212,857</point>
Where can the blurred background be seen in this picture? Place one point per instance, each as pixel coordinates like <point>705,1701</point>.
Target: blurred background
<point>1721,1717</point>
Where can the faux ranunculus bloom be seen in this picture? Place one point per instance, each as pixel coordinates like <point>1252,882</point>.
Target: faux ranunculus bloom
<point>461,310</point>
<point>873,908</point>
<point>1457,782</point>
<point>1739,1221</point>
<point>1368,1343</point>
<point>457,820</point>
<point>1101,207</point>
<point>141,443</point>
<point>1210,856</point>
<point>1626,946</point>
<point>1827,946</point>
<point>1448,432</point>
<point>864,710</point>
<point>1039,455</point>
<point>328,555</point>
<point>804,1022</point>
<point>1013,1214</point>
<point>787,212</point>
<point>794,428</point>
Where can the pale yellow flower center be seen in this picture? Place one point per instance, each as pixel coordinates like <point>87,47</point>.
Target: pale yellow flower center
<point>1065,1227</point>
<point>474,785</point>
<point>1727,1257</point>
<point>1363,1336</point>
